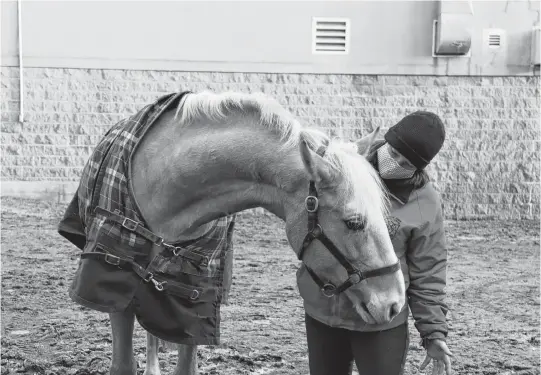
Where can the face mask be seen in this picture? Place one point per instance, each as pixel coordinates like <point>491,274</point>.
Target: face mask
<point>389,167</point>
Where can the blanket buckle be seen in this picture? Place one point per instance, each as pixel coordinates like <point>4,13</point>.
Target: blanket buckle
<point>112,259</point>
<point>130,224</point>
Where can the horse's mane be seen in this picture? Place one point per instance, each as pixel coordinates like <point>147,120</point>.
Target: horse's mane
<point>218,107</point>
<point>268,113</point>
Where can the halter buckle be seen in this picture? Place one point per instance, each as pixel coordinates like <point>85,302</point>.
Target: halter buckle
<point>311,203</point>
<point>328,290</point>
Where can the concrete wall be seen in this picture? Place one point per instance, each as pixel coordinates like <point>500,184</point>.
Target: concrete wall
<point>489,166</point>
<point>387,37</point>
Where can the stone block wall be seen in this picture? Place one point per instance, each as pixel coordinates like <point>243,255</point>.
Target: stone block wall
<point>488,168</point>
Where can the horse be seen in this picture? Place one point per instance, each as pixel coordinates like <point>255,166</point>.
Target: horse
<point>216,154</point>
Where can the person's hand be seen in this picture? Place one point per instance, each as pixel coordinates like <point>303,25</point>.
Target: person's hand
<point>438,352</point>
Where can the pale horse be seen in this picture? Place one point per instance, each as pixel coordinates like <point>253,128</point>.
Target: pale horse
<point>228,152</point>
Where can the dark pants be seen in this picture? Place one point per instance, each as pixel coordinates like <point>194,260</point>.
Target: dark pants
<point>331,351</point>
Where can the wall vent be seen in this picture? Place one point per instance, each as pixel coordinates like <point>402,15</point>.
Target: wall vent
<point>494,38</point>
<point>330,35</point>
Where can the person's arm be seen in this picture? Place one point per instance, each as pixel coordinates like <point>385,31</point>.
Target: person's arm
<point>427,263</point>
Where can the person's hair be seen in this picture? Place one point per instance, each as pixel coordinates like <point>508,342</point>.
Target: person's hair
<point>419,179</point>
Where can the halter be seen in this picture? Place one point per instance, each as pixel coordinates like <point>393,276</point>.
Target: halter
<point>315,231</point>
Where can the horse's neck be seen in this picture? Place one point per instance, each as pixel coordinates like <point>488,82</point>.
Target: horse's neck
<point>184,177</point>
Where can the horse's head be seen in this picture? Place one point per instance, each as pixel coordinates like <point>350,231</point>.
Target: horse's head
<point>349,250</point>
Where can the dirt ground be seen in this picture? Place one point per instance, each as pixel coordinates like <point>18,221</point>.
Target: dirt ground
<point>493,295</point>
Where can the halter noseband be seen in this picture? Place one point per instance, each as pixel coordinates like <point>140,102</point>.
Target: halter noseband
<point>315,231</point>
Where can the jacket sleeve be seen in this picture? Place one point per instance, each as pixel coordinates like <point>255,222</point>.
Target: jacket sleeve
<point>427,263</point>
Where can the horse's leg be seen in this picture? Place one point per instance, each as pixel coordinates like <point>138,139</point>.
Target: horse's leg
<point>153,365</point>
<point>187,360</point>
<point>123,362</point>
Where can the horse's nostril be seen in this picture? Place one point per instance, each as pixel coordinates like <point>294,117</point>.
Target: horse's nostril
<point>364,307</point>
<point>394,311</point>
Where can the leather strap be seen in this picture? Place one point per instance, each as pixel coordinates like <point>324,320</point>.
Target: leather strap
<point>137,227</point>
<point>336,253</point>
<point>354,278</point>
<point>380,271</point>
<point>314,229</point>
<point>316,278</point>
<point>121,262</point>
<point>129,224</point>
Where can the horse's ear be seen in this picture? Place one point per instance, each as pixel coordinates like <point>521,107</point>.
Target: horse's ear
<point>317,168</point>
<point>364,144</point>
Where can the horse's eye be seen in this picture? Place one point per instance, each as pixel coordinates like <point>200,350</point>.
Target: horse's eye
<point>357,223</point>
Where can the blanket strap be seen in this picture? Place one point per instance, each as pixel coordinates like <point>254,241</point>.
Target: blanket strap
<point>126,260</point>
<point>137,227</point>
<point>129,224</point>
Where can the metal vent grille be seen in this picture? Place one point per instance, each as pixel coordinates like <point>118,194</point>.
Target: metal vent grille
<point>494,40</point>
<point>330,35</point>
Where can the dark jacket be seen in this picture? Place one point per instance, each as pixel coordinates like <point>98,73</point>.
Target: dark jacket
<point>418,237</point>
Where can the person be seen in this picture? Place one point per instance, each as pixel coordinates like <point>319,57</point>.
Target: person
<point>336,334</point>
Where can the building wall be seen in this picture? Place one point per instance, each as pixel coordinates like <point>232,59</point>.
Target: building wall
<point>488,167</point>
<point>387,37</point>
<point>88,64</point>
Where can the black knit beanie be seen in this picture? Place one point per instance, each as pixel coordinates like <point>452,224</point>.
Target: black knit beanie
<point>418,137</point>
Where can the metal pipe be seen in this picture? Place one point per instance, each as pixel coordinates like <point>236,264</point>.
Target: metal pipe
<point>21,86</point>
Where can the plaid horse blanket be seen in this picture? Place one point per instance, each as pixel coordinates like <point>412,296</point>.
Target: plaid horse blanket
<point>176,295</point>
